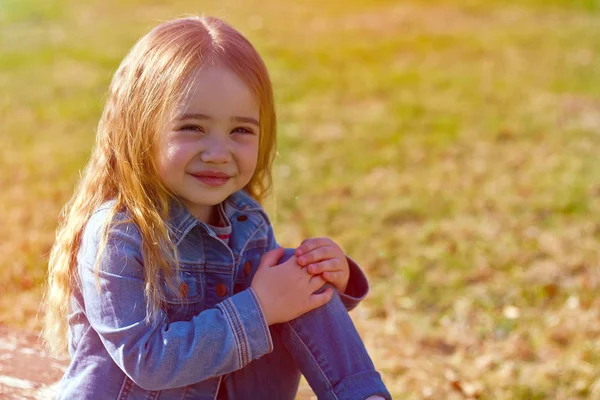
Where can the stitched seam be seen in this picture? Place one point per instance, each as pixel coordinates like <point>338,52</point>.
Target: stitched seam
<point>185,228</point>
<point>232,318</point>
<point>314,360</point>
<point>218,387</point>
<point>153,395</point>
<point>245,344</point>
<point>263,318</point>
<point>125,388</point>
<point>223,307</point>
<point>256,244</point>
<point>203,252</point>
<point>256,230</point>
<point>246,350</point>
<point>237,329</point>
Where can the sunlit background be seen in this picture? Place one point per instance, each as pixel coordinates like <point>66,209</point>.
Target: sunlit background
<point>451,147</point>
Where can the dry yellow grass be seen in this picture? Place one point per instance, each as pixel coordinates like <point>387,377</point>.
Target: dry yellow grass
<point>450,147</point>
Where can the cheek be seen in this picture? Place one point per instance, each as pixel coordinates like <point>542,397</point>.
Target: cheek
<point>172,159</point>
<point>249,158</point>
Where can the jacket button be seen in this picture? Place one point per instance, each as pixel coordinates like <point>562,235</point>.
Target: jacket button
<point>183,289</point>
<point>247,268</point>
<point>221,289</point>
<point>242,218</point>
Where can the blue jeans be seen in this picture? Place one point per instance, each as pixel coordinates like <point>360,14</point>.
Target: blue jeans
<point>324,346</point>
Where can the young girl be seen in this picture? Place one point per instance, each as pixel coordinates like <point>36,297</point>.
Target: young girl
<point>164,275</point>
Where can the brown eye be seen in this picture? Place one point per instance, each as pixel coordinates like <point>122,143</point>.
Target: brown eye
<point>242,130</point>
<point>194,128</point>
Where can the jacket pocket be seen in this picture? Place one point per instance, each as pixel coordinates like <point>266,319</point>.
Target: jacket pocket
<point>249,262</point>
<point>187,298</point>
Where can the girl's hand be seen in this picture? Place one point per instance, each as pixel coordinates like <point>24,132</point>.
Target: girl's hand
<point>286,291</point>
<point>323,256</point>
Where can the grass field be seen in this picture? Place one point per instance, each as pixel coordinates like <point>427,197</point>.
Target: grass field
<point>451,147</point>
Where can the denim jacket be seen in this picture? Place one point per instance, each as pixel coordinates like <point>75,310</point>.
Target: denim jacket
<point>217,328</point>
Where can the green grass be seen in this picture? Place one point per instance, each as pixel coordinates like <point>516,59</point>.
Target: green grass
<point>449,146</point>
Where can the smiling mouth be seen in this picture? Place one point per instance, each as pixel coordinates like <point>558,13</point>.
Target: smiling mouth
<point>210,179</point>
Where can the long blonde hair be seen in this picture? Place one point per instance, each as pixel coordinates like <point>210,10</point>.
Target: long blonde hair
<point>151,78</point>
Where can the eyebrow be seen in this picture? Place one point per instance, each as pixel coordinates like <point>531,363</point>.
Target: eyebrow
<point>248,120</point>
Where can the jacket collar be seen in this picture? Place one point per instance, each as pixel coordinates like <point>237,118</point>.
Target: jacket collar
<point>181,221</point>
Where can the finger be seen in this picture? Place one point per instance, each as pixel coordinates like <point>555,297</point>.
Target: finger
<point>311,244</point>
<point>332,276</point>
<point>327,265</point>
<point>318,254</point>
<point>271,258</point>
<point>319,299</point>
<point>315,282</point>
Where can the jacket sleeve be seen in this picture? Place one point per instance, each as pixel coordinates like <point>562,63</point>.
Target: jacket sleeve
<point>358,285</point>
<point>157,354</point>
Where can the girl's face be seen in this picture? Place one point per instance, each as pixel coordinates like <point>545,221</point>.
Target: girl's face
<point>209,147</point>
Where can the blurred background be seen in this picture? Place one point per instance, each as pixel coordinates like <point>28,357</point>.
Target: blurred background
<point>450,147</point>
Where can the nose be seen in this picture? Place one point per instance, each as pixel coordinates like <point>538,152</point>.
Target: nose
<point>215,151</point>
